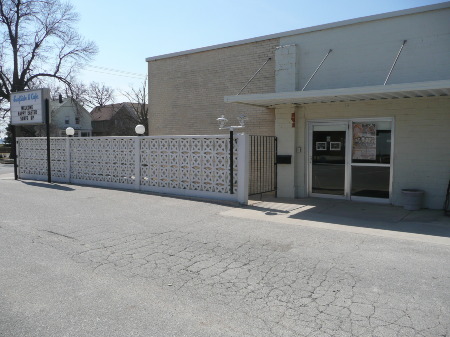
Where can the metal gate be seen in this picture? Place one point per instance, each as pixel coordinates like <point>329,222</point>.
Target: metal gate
<point>263,167</point>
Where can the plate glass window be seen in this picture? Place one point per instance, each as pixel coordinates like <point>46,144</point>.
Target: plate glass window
<point>371,159</point>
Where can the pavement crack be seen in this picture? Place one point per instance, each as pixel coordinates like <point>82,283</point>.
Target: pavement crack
<point>58,234</point>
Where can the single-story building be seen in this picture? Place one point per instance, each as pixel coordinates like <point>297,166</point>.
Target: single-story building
<point>360,107</point>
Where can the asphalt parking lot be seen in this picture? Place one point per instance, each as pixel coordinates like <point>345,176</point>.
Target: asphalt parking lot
<point>84,261</point>
<point>6,168</point>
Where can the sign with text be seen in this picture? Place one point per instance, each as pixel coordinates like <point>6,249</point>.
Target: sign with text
<point>28,107</point>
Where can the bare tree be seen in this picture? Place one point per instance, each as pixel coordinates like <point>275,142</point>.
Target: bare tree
<point>4,109</point>
<point>38,42</point>
<point>138,99</point>
<point>98,95</point>
<point>78,91</point>
<point>3,120</point>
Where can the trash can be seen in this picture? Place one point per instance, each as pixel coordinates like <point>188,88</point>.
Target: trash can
<point>412,199</point>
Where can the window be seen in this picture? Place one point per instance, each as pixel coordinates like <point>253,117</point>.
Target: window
<point>67,120</point>
<point>77,120</point>
<point>371,159</point>
<point>371,142</point>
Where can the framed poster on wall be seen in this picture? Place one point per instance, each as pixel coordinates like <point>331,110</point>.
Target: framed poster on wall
<point>321,146</point>
<point>335,146</point>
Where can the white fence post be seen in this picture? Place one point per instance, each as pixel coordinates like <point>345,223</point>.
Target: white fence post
<point>243,167</point>
<point>137,163</point>
<point>68,159</point>
<point>17,149</point>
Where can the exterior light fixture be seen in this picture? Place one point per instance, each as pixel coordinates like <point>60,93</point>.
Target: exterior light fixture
<point>70,131</point>
<point>222,121</point>
<point>140,129</point>
<point>242,119</point>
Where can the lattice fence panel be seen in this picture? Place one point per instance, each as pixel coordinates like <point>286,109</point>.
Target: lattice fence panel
<point>58,157</point>
<point>191,163</point>
<point>33,156</point>
<point>107,160</point>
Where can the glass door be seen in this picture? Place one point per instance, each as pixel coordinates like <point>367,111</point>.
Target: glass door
<point>351,159</point>
<point>328,159</point>
<point>371,159</point>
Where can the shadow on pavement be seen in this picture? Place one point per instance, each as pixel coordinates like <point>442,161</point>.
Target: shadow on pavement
<point>49,185</point>
<point>358,214</point>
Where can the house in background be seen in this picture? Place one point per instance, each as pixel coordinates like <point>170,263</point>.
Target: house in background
<point>69,113</point>
<point>114,120</point>
<point>360,107</point>
<point>64,113</point>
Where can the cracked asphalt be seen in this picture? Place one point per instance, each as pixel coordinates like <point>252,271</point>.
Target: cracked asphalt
<point>82,261</point>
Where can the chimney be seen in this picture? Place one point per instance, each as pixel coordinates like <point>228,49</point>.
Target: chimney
<point>60,98</point>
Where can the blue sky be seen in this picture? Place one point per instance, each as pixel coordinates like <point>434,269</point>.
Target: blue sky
<point>127,32</point>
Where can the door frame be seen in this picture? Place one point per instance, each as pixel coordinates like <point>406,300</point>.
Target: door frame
<point>348,158</point>
<point>310,125</point>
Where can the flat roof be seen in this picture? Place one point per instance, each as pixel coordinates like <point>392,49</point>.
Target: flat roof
<point>369,18</point>
<point>376,92</point>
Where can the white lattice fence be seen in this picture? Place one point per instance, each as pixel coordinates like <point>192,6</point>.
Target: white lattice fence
<point>104,161</point>
<point>194,163</point>
<point>186,165</point>
<point>33,158</point>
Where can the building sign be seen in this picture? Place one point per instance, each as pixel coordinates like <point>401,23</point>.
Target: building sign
<point>364,141</point>
<point>28,107</point>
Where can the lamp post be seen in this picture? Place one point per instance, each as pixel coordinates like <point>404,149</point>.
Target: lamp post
<point>222,121</point>
<point>139,129</point>
<point>70,131</point>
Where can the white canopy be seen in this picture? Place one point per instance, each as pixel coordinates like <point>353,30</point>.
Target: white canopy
<point>377,92</point>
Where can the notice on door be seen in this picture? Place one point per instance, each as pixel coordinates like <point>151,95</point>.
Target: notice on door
<point>364,141</point>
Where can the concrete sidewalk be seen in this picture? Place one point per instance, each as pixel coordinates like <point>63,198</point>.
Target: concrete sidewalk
<point>425,225</point>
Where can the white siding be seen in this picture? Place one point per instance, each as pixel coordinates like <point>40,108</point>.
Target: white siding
<point>68,109</point>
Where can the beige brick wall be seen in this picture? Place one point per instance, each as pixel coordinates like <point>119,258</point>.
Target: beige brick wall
<point>421,141</point>
<point>186,92</point>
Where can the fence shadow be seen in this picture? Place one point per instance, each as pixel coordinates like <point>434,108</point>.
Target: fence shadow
<point>52,186</point>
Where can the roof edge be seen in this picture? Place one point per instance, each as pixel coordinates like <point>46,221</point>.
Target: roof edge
<point>336,24</point>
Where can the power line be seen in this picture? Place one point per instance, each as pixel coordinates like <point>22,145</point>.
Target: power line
<point>141,76</point>
<point>116,70</point>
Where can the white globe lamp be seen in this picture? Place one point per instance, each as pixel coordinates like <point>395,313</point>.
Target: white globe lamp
<point>140,129</point>
<point>70,131</point>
